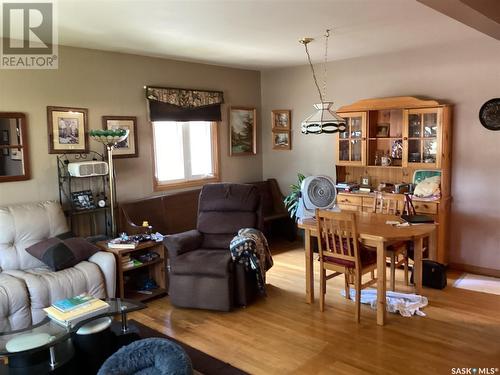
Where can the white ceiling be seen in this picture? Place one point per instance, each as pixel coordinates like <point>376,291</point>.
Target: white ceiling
<point>254,34</point>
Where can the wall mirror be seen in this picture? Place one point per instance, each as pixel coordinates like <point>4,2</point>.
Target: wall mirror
<point>14,152</point>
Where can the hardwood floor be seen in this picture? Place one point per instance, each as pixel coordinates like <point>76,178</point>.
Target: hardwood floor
<point>281,334</point>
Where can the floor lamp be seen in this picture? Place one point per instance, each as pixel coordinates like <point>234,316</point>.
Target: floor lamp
<point>110,138</point>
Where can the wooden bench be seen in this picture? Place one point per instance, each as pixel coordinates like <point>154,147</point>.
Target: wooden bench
<point>178,212</point>
<point>275,215</point>
<point>167,214</point>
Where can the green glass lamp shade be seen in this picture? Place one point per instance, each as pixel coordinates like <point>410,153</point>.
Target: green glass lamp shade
<point>109,136</point>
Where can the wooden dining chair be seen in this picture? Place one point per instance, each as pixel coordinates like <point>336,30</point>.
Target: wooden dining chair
<point>397,252</point>
<point>341,252</point>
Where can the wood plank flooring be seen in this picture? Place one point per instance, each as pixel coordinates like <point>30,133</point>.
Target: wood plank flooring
<point>281,334</point>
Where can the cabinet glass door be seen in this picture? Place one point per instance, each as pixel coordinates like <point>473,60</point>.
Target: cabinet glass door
<point>422,139</point>
<point>352,142</point>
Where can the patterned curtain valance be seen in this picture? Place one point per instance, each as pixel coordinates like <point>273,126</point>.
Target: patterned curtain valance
<point>175,104</point>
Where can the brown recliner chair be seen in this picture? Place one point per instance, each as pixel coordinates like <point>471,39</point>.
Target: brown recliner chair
<point>202,273</point>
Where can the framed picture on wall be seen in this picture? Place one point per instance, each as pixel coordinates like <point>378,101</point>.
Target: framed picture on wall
<point>281,141</point>
<point>128,148</point>
<point>281,119</point>
<point>242,131</point>
<point>67,130</point>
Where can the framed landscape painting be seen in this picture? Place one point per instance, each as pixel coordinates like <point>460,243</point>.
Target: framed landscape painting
<point>242,131</point>
<point>129,147</point>
<point>67,129</point>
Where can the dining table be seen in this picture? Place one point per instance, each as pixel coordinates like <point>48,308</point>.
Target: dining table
<point>378,231</point>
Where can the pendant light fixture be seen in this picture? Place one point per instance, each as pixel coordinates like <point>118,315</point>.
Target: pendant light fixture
<point>324,119</point>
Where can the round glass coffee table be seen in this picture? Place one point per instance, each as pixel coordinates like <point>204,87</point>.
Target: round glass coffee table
<point>35,347</point>
<point>46,346</point>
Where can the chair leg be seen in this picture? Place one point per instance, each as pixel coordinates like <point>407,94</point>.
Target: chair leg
<point>373,274</point>
<point>323,278</point>
<point>407,280</point>
<point>347,289</point>
<point>322,289</point>
<point>358,296</point>
<point>393,271</point>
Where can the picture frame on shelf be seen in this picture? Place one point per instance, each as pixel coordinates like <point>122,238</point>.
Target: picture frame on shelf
<point>282,140</point>
<point>129,148</point>
<point>67,130</point>
<point>83,200</point>
<point>281,119</point>
<point>383,130</point>
<point>16,154</point>
<point>242,131</point>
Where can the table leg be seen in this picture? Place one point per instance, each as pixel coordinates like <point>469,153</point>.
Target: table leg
<point>433,245</point>
<point>381,283</point>
<point>417,275</point>
<point>309,267</point>
<point>124,320</point>
<point>53,361</point>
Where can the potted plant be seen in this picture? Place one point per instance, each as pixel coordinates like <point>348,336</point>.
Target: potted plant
<point>292,200</point>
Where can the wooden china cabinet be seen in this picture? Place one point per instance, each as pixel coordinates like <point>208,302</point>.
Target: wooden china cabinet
<point>407,132</point>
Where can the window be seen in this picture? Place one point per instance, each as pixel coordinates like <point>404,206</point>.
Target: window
<point>186,153</point>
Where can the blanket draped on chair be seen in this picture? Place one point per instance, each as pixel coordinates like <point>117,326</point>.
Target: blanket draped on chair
<point>250,248</point>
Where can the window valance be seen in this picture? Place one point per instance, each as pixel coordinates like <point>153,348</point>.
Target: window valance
<point>175,104</point>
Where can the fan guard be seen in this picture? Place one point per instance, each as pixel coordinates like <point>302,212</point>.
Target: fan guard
<point>321,192</point>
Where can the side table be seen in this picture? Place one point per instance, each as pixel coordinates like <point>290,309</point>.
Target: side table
<point>155,269</point>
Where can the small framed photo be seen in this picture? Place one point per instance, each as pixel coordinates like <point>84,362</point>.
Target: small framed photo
<point>242,131</point>
<point>128,148</point>
<point>383,130</point>
<point>281,141</point>
<point>281,119</point>
<point>83,200</point>
<point>16,154</point>
<point>67,130</point>
<point>365,180</point>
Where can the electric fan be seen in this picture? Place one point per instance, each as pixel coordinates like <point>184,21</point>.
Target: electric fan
<point>316,192</point>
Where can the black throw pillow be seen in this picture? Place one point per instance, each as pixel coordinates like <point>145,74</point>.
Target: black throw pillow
<point>59,254</point>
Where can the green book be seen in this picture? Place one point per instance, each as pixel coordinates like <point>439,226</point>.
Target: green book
<point>72,303</point>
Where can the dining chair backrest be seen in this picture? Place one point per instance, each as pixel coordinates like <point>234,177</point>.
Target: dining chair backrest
<point>337,236</point>
<point>389,204</point>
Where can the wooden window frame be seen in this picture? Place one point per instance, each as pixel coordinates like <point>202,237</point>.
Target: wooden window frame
<point>186,183</point>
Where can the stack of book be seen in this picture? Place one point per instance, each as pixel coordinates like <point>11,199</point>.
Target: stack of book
<point>70,311</point>
<point>119,243</point>
<point>346,186</point>
<point>128,262</point>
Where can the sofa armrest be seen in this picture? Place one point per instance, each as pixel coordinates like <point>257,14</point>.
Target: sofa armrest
<point>106,262</point>
<point>184,242</point>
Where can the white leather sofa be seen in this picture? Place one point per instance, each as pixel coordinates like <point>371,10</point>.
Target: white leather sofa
<point>26,284</point>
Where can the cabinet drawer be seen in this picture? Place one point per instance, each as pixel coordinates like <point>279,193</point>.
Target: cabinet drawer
<point>348,207</point>
<point>368,202</point>
<point>426,207</point>
<point>347,199</point>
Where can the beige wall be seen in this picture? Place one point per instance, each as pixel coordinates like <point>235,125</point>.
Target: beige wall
<point>464,74</point>
<point>112,84</point>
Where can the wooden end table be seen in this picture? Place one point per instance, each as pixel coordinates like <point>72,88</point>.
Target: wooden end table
<point>156,269</point>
